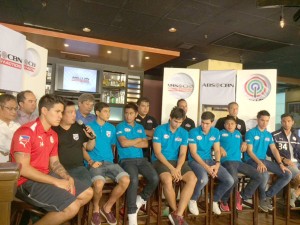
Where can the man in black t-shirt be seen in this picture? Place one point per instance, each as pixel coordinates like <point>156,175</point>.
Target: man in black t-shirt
<point>148,122</point>
<point>233,109</point>
<point>187,123</point>
<point>71,139</point>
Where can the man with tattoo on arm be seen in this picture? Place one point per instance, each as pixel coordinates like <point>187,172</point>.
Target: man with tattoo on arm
<point>34,146</point>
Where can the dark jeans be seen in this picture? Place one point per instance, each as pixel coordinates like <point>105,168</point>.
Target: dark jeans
<point>225,180</point>
<point>283,178</point>
<point>235,167</point>
<point>134,167</point>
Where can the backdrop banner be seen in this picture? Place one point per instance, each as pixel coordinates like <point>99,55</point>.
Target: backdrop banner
<point>12,51</point>
<point>256,90</point>
<point>180,83</point>
<point>217,87</point>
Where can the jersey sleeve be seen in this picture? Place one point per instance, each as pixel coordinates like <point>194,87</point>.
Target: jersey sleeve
<point>113,136</point>
<point>157,135</point>
<point>192,137</point>
<point>249,138</point>
<point>119,131</point>
<point>22,140</point>
<point>185,138</point>
<point>54,151</point>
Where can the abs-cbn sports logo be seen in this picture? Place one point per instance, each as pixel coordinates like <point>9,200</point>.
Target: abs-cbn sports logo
<point>181,85</point>
<point>257,87</point>
<point>10,60</point>
<point>31,61</point>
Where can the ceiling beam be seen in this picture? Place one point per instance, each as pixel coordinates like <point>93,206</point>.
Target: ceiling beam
<point>287,80</point>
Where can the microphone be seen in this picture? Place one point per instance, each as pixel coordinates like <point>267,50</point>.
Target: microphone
<point>84,127</point>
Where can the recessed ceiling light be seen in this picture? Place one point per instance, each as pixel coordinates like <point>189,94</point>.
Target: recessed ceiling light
<point>131,66</point>
<point>66,45</point>
<point>194,59</point>
<point>108,52</point>
<point>86,29</point>
<point>172,30</point>
<point>147,57</point>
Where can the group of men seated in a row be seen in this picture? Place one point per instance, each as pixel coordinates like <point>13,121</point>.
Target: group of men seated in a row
<point>65,164</point>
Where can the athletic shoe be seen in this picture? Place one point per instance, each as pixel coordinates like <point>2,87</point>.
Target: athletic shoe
<point>216,208</point>
<point>269,203</point>
<point>110,218</point>
<point>132,219</point>
<point>96,218</point>
<point>139,203</point>
<point>176,220</point>
<point>239,202</point>
<point>224,207</point>
<point>263,205</point>
<point>193,208</point>
<point>293,198</point>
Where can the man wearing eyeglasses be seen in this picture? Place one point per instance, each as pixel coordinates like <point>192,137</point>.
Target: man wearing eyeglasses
<point>8,113</point>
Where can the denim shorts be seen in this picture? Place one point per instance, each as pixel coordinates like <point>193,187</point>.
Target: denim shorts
<point>107,169</point>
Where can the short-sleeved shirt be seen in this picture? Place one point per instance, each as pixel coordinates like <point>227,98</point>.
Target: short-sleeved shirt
<point>240,125</point>
<point>148,122</point>
<point>170,142</point>
<point>260,140</point>
<point>32,138</point>
<point>203,141</point>
<point>89,118</point>
<point>70,144</point>
<point>188,124</point>
<point>231,142</point>
<point>105,138</point>
<point>23,117</point>
<point>130,133</point>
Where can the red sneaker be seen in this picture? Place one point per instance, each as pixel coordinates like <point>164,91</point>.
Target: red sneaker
<point>224,207</point>
<point>239,202</point>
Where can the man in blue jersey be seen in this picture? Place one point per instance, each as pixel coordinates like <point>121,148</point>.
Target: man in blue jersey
<point>258,140</point>
<point>232,146</point>
<point>101,165</point>
<point>131,141</point>
<point>170,148</point>
<point>201,141</point>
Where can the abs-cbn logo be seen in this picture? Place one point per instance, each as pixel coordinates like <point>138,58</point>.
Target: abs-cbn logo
<point>10,60</point>
<point>217,85</point>
<point>32,62</point>
<point>181,85</point>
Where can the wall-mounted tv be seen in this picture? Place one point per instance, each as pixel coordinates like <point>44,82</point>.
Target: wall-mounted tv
<point>76,79</point>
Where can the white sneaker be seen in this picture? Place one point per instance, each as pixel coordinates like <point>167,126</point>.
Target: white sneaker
<point>132,219</point>
<point>293,198</point>
<point>139,202</point>
<point>216,208</point>
<point>193,207</point>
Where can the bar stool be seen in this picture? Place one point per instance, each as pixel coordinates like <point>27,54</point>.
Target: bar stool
<point>288,208</point>
<point>212,183</point>
<point>19,207</point>
<point>145,213</point>
<point>88,208</point>
<point>160,218</point>
<point>251,207</point>
<point>203,206</point>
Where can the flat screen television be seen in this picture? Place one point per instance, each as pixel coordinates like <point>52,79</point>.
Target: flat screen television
<point>76,79</point>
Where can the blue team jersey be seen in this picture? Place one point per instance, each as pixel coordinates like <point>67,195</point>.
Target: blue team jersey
<point>170,142</point>
<point>105,138</point>
<point>203,141</point>
<point>260,140</point>
<point>130,133</point>
<point>231,142</point>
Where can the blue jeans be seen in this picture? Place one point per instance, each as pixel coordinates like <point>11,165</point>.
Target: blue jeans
<point>235,167</point>
<point>225,180</point>
<point>134,167</point>
<point>283,178</point>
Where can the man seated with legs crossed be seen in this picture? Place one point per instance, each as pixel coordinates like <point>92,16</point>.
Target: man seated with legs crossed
<point>34,146</point>
<point>258,140</point>
<point>201,141</point>
<point>170,148</point>
<point>287,142</point>
<point>232,146</point>
<point>101,165</point>
<point>131,141</point>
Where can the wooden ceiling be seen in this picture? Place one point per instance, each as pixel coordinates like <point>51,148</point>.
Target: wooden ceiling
<point>88,49</point>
